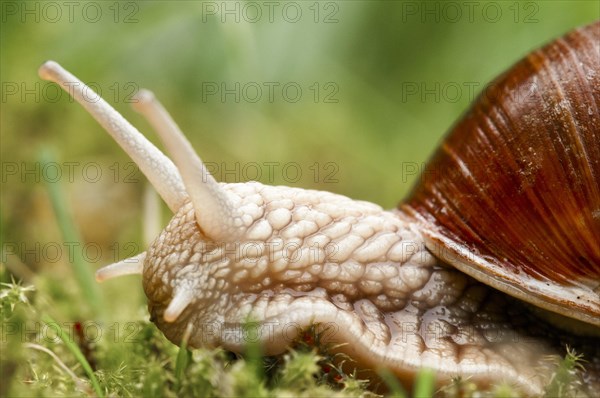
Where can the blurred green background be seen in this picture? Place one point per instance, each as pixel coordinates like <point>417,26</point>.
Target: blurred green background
<point>381,82</point>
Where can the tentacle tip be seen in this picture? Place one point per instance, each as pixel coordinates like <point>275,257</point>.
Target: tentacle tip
<point>176,307</point>
<point>105,273</point>
<point>100,277</point>
<point>170,317</point>
<point>48,69</point>
<point>130,266</point>
<point>142,98</point>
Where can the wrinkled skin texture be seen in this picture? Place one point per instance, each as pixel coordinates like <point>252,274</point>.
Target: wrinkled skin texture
<point>361,272</point>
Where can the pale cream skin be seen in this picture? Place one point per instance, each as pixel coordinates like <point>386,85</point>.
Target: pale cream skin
<point>286,258</point>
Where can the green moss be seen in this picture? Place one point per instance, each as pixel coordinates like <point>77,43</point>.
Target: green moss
<point>11,295</point>
<point>135,359</point>
<point>565,381</point>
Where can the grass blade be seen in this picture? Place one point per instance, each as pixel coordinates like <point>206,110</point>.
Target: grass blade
<point>81,270</point>
<point>424,384</point>
<point>396,390</point>
<point>183,357</point>
<point>77,353</point>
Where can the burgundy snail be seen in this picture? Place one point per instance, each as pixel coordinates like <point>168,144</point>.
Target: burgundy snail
<point>490,267</point>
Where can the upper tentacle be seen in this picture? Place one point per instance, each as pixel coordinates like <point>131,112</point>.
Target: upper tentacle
<point>216,214</point>
<point>159,169</point>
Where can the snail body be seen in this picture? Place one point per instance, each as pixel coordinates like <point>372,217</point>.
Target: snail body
<point>512,205</point>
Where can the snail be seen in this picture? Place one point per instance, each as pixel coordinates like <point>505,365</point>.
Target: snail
<point>490,266</point>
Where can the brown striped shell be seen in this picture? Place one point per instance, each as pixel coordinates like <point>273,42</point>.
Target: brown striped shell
<point>512,196</point>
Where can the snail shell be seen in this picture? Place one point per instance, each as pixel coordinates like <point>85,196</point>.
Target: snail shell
<point>511,198</point>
